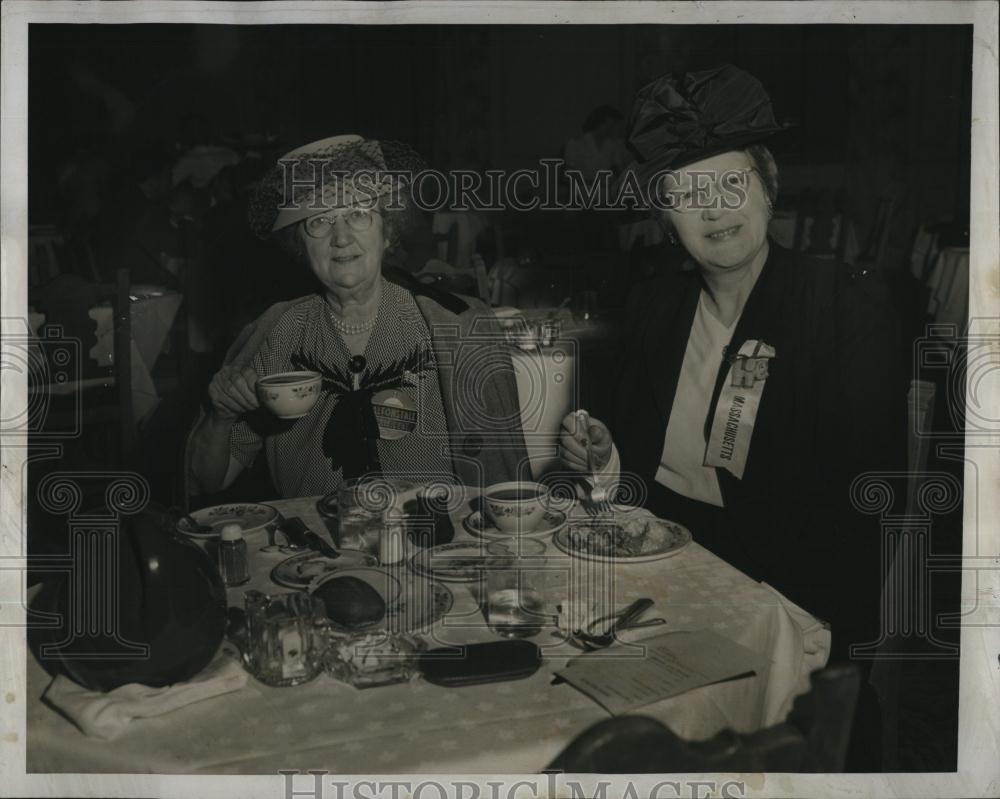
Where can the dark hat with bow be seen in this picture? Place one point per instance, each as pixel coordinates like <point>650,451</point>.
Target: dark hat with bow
<point>680,119</point>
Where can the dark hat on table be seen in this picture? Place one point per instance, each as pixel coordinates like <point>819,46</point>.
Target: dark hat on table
<point>682,118</point>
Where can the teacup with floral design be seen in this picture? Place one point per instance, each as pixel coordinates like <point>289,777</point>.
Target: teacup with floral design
<point>289,395</point>
<point>517,506</point>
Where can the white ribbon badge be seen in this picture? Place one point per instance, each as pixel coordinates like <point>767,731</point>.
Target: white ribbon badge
<point>736,411</point>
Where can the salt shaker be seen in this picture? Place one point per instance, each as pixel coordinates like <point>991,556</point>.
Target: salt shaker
<point>392,541</point>
<point>234,565</point>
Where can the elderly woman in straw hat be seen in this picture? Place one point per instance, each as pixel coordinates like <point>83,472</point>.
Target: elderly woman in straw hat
<point>757,384</point>
<point>378,339</point>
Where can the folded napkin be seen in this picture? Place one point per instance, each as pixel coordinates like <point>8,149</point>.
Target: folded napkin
<point>107,715</point>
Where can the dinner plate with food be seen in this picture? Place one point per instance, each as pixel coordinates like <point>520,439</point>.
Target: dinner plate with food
<point>299,571</point>
<point>625,536</point>
<point>366,599</point>
<point>460,562</point>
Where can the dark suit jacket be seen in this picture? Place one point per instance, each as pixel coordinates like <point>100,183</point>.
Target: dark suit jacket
<point>833,407</point>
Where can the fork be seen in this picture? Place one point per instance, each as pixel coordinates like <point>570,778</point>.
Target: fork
<point>597,502</point>
<point>623,620</point>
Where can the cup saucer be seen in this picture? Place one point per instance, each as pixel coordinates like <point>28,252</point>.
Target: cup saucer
<point>477,524</point>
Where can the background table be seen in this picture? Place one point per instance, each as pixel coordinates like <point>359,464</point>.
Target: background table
<point>152,318</point>
<point>548,378</point>
<point>510,727</point>
<point>469,224</point>
<point>546,390</point>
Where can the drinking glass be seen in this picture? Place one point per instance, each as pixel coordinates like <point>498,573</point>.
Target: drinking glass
<point>282,647</point>
<point>515,587</point>
<point>360,518</point>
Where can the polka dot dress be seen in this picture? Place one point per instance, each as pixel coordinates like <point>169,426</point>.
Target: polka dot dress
<point>295,455</point>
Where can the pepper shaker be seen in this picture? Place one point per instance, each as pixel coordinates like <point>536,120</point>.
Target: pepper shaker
<point>234,565</point>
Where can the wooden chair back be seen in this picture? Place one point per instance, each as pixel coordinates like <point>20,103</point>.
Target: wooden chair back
<point>814,738</point>
<point>875,250</point>
<point>821,225</point>
<point>920,403</point>
<point>885,673</point>
<point>122,365</point>
<point>45,245</point>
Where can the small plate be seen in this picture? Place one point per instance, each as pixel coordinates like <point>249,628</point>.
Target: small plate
<point>299,571</point>
<point>250,516</point>
<point>421,603</point>
<point>460,562</point>
<point>664,539</point>
<point>477,524</point>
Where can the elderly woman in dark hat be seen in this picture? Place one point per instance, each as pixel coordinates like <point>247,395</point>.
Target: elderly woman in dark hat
<point>757,383</point>
<point>377,338</point>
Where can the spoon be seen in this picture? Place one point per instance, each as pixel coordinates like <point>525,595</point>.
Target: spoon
<point>632,612</point>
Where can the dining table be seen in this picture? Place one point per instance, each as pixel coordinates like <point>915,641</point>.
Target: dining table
<point>153,312</point>
<point>516,726</point>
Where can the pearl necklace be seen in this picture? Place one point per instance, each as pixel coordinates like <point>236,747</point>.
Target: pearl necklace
<point>352,328</point>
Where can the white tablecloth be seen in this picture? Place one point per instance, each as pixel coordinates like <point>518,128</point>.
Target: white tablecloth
<point>510,727</point>
<point>949,286</point>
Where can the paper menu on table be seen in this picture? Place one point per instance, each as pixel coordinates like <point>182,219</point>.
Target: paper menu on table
<point>623,678</point>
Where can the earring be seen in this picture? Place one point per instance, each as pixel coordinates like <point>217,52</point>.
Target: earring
<point>671,237</point>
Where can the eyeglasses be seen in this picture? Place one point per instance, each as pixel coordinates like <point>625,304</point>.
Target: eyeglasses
<point>727,190</point>
<point>358,219</point>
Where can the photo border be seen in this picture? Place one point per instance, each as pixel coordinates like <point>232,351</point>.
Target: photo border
<point>979,720</point>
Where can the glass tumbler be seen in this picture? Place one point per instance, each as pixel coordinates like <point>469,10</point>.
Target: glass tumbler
<point>282,645</point>
<point>360,511</point>
<point>516,576</point>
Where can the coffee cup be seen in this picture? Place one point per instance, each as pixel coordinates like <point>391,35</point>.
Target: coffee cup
<point>515,507</point>
<point>289,395</point>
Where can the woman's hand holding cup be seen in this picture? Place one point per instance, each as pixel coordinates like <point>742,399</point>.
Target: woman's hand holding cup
<point>579,431</point>
<point>233,392</point>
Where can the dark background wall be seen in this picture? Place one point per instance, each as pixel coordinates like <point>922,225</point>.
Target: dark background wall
<point>872,104</point>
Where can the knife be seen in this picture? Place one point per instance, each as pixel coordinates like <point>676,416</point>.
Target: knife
<point>299,535</point>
